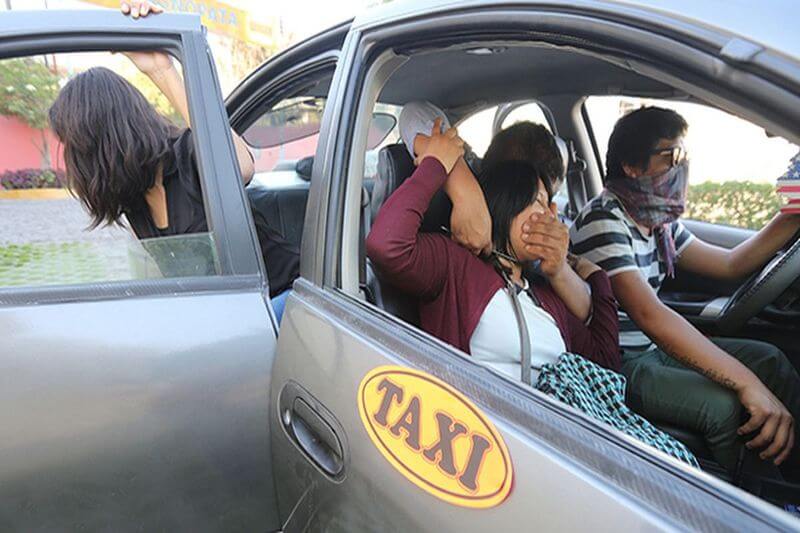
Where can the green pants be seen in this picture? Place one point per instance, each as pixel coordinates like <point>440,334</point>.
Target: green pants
<point>664,390</point>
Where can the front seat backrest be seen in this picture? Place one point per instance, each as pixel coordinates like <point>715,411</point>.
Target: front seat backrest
<point>394,166</point>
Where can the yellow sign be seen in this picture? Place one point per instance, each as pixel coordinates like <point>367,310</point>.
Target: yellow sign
<point>435,437</point>
<point>218,17</point>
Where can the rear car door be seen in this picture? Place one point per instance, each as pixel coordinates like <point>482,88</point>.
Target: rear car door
<point>141,400</point>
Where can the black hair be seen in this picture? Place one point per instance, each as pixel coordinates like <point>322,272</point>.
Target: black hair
<point>509,188</point>
<point>114,142</point>
<point>531,143</point>
<point>636,135</point>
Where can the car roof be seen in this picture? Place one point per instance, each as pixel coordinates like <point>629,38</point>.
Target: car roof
<point>763,22</point>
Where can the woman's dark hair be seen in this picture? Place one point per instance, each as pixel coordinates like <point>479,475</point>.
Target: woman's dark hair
<point>636,135</point>
<point>509,187</point>
<point>531,143</point>
<point>114,141</point>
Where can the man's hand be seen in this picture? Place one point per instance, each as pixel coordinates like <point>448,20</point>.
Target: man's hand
<point>139,8</point>
<point>547,239</point>
<point>771,419</point>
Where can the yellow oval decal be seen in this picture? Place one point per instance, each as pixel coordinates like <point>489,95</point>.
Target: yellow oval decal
<point>435,437</point>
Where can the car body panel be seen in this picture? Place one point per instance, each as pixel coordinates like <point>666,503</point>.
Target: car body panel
<point>147,411</point>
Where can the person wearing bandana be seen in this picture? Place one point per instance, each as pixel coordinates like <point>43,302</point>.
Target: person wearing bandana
<point>742,395</point>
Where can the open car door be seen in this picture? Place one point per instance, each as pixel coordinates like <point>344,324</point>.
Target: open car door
<point>142,400</point>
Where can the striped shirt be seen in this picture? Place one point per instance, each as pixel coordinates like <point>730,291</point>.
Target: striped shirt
<point>605,234</point>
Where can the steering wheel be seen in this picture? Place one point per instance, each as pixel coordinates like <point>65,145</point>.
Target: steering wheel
<point>762,288</point>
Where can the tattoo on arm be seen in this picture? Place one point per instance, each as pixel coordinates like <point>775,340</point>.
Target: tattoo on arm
<point>710,373</point>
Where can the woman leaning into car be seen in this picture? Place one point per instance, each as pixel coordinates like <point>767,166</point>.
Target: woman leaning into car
<point>123,159</point>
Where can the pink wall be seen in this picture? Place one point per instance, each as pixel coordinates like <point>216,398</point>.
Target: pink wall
<point>267,159</point>
<point>20,141</point>
<point>18,149</point>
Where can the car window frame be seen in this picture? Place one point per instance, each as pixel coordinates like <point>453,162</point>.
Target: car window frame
<point>229,222</point>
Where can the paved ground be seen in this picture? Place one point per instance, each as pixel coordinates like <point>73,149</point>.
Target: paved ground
<point>28,221</point>
<point>45,242</point>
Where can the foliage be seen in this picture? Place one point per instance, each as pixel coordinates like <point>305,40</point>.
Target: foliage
<point>27,89</point>
<point>246,56</point>
<point>32,178</point>
<point>744,204</point>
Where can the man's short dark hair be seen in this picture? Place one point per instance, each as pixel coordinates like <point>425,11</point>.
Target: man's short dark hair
<point>636,135</point>
<point>531,143</point>
<point>509,188</point>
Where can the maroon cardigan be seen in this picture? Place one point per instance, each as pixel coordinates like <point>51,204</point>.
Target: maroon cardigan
<point>454,287</point>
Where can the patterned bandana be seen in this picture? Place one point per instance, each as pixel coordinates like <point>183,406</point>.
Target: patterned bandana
<point>656,202</point>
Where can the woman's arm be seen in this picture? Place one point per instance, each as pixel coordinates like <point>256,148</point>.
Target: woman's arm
<point>410,260</point>
<point>415,262</point>
<point>599,339</point>
<point>158,66</point>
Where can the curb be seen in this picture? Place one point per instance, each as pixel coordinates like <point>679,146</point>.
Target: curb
<point>35,194</point>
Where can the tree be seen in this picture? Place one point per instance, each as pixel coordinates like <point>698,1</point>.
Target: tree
<point>246,56</point>
<point>27,90</point>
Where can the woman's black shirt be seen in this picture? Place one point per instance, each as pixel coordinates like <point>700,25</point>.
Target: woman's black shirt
<point>186,215</point>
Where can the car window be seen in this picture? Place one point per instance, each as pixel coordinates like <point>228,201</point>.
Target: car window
<point>46,235</point>
<point>476,130</point>
<point>286,133</point>
<point>733,163</point>
<point>378,126</point>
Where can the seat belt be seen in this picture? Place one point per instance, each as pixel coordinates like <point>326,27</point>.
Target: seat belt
<point>363,229</point>
<point>576,185</point>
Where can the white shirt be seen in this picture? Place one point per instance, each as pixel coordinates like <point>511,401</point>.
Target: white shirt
<point>495,340</point>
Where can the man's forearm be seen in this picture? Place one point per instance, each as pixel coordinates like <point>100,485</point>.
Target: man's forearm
<point>758,249</point>
<point>680,340</point>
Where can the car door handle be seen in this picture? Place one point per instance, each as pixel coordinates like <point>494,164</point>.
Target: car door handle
<point>314,436</point>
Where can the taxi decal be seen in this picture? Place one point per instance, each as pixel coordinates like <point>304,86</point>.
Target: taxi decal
<point>435,437</point>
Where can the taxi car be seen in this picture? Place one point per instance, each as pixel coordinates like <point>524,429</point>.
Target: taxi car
<point>180,403</point>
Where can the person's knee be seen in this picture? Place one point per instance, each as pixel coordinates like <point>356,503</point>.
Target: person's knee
<point>722,413</point>
<point>771,362</point>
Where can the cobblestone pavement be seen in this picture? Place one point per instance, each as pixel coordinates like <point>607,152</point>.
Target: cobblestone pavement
<point>29,221</point>
<point>45,242</point>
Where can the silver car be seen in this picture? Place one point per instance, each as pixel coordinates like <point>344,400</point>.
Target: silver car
<point>179,404</point>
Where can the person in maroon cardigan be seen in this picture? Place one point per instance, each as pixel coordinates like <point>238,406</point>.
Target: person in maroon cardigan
<point>463,298</point>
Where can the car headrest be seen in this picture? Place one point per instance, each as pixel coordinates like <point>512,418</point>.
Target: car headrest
<point>564,151</point>
<point>394,166</point>
<point>304,167</point>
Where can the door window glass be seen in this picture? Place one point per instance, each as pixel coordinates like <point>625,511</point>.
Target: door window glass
<point>46,234</point>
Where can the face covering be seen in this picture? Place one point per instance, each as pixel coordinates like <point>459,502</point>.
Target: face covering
<point>656,202</point>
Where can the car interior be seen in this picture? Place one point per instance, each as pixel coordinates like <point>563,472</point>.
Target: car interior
<point>474,76</point>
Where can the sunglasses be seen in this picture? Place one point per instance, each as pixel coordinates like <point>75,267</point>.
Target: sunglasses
<point>677,154</point>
